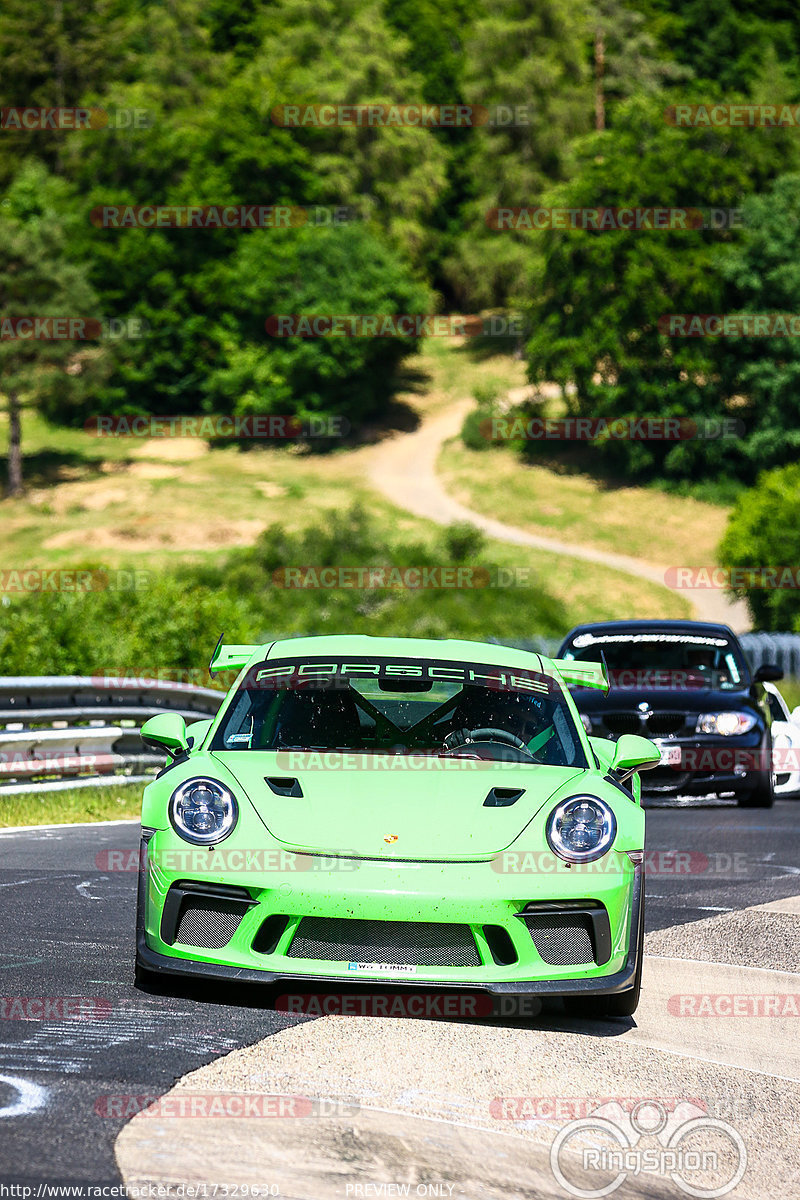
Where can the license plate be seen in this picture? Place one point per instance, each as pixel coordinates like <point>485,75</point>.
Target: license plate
<point>670,755</point>
<point>381,969</point>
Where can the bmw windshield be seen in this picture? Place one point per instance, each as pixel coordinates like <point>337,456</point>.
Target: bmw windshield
<point>395,706</point>
<point>664,659</point>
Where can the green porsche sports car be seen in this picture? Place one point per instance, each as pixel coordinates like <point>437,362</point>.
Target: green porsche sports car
<point>373,810</point>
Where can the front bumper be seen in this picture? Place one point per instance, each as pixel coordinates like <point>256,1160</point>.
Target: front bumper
<point>619,892</point>
<point>709,766</point>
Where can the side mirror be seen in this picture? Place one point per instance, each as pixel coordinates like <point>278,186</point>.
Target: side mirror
<point>635,753</point>
<point>167,731</point>
<point>768,673</point>
<point>604,749</point>
<point>794,715</point>
<point>196,733</point>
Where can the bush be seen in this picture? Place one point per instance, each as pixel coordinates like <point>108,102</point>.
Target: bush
<point>337,271</point>
<point>172,624</point>
<point>764,531</point>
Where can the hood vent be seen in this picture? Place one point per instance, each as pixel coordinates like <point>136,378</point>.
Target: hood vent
<point>283,786</point>
<point>503,797</point>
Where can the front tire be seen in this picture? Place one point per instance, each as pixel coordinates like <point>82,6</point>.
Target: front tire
<point>143,980</point>
<point>762,795</point>
<point>621,1004</point>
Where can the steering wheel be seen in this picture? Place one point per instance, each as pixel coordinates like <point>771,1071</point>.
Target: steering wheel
<point>487,733</point>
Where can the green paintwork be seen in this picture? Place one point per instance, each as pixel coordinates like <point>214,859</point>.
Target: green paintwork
<point>167,730</point>
<point>448,858</point>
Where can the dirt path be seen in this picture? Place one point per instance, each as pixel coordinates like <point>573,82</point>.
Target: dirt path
<point>404,470</point>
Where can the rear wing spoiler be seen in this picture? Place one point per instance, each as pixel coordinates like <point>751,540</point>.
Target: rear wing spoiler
<point>228,657</point>
<point>583,674</point>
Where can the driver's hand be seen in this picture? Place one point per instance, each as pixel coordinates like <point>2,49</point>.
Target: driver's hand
<point>459,737</point>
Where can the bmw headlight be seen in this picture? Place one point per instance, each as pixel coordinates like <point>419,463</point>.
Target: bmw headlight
<point>581,829</point>
<point>725,723</point>
<point>203,811</point>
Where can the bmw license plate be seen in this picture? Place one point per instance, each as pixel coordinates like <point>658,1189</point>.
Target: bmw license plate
<point>670,755</point>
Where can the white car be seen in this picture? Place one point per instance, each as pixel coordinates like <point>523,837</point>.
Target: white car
<point>785,743</point>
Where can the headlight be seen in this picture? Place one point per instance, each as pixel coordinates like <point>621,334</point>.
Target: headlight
<point>585,722</point>
<point>725,723</point>
<point>203,811</point>
<point>581,829</point>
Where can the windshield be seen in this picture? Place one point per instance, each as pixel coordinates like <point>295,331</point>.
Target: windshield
<point>664,660</point>
<point>395,706</point>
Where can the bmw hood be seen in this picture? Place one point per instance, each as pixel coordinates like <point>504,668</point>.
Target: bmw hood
<point>687,700</point>
<point>442,809</point>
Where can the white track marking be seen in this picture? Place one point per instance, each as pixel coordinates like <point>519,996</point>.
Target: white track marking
<point>31,1096</point>
<point>8,829</point>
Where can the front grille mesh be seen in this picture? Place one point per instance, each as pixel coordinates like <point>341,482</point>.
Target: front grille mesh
<point>655,725</point>
<point>562,939</point>
<point>666,722</point>
<point>399,942</point>
<point>621,722</point>
<point>209,923</point>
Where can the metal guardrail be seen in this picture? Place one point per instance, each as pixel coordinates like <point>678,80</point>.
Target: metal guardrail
<point>782,649</point>
<point>79,731</point>
<point>58,732</point>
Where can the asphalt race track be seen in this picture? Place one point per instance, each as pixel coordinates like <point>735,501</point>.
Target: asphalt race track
<point>68,932</point>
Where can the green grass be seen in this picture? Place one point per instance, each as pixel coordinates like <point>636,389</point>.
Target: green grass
<point>116,802</point>
<point>642,522</point>
<point>128,503</point>
<point>789,688</point>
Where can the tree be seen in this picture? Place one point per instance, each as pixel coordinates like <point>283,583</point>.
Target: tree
<point>762,276</point>
<point>727,43</point>
<point>526,55</point>
<point>38,279</point>
<point>763,532</point>
<point>345,52</point>
<point>314,272</point>
<point>627,59</point>
<point>595,317</point>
